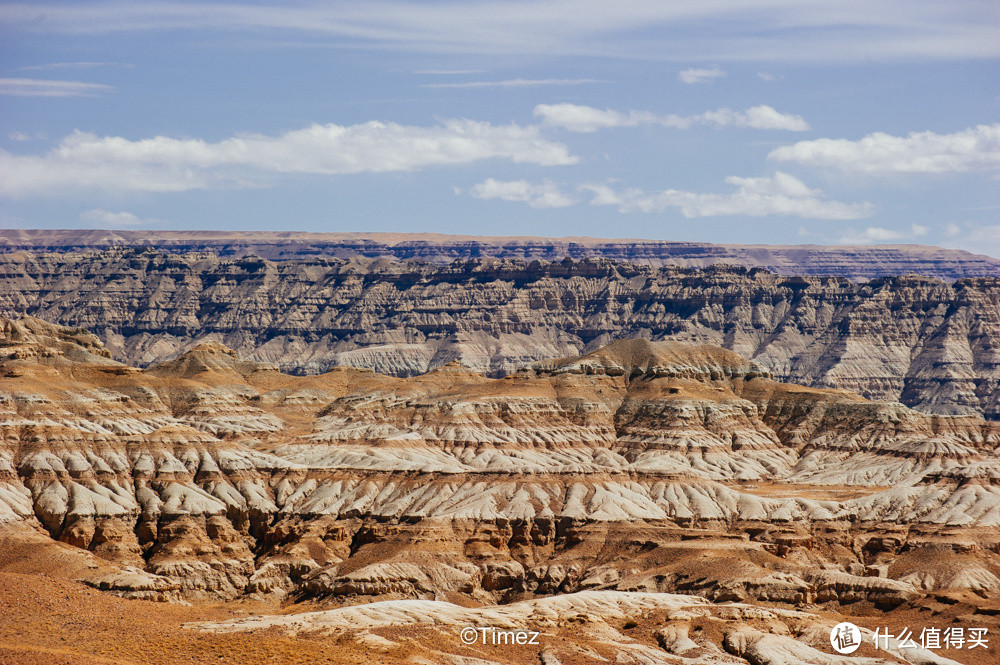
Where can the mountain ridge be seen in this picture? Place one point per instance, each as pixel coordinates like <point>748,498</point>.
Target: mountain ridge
<point>857,262</point>
<point>928,343</point>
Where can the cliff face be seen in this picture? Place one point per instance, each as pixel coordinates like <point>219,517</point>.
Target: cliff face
<point>628,486</point>
<point>209,476</point>
<point>932,345</point>
<point>858,263</point>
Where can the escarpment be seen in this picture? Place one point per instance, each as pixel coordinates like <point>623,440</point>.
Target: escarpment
<point>932,345</point>
<point>858,263</point>
<point>639,467</point>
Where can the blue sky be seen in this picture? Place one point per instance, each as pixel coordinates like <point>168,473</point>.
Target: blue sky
<point>773,121</point>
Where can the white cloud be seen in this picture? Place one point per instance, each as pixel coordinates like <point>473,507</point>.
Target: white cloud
<point>730,30</point>
<point>74,65</point>
<point>513,83</point>
<point>878,234</point>
<point>767,76</point>
<point>694,75</point>
<point>106,218</point>
<point>19,87</point>
<point>952,230</point>
<point>448,72</point>
<point>545,195</point>
<point>578,118</point>
<point>872,234</point>
<point>973,149</point>
<point>586,118</point>
<point>781,194</point>
<point>765,117</point>
<point>162,164</point>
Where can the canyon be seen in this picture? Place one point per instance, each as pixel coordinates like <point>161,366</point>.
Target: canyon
<point>931,344</point>
<point>645,501</point>
<point>222,447</point>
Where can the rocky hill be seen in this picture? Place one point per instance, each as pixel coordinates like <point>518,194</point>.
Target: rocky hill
<point>927,343</point>
<point>858,263</point>
<point>641,479</point>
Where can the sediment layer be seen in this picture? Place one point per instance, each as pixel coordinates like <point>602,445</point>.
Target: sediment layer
<point>932,345</point>
<point>640,467</point>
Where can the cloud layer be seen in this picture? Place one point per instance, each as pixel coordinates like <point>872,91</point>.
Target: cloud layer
<point>513,83</point>
<point>107,219</point>
<point>695,75</point>
<point>21,87</point>
<point>587,119</point>
<point>878,234</point>
<point>721,30</point>
<point>973,149</point>
<point>74,65</point>
<point>162,164</point>
<point>545,195</point>
<point>781,194</point>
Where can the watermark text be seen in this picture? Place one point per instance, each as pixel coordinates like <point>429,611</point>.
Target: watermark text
<point>489,636</point>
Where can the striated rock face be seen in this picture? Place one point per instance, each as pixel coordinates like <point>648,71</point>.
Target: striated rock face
<point>859,263</point>
<point>932,345</point>
<point>639,467</point>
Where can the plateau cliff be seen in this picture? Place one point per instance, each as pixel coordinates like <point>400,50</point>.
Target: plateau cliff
<point>930,344</point>
<point>856,262</point>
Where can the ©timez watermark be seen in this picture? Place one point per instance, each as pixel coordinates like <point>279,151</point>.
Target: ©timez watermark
<point>845,638</point>
<point>489,636</point>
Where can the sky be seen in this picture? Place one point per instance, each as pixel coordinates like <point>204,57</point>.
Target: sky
<point>764,121</point>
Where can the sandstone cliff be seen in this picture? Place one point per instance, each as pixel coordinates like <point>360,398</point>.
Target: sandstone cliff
<point>642,466</point>
<point>932,345</point>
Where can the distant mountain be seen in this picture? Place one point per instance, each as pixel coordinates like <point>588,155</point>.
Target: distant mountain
<point>856,262</point>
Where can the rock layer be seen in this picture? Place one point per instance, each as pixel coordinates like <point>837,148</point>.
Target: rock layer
<point>859,263</point>
<point>932,345</point>
<point>640,467</point>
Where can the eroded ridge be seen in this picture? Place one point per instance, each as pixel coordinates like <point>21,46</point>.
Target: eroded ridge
<point>640,469</point>
<point>925,342</point>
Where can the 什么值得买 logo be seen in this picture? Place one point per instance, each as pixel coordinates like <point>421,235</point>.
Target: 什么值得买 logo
<point>845,638</point>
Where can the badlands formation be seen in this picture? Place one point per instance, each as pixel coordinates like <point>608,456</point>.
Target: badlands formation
<point>646,502</point>
<point>930,344</point>
<point>858,263</point>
